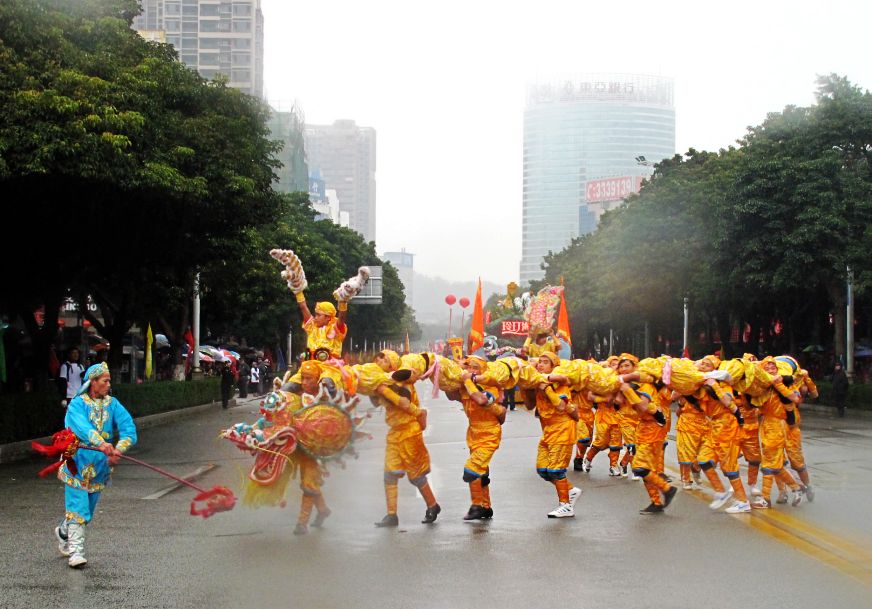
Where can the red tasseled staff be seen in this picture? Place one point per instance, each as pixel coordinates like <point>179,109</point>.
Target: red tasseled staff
<point>64,445</point>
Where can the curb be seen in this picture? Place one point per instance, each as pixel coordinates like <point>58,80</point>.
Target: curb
<point>830,411</point>
<point>19,451</point>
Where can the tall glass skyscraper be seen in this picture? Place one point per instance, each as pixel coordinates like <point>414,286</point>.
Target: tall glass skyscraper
<point>588,143</point>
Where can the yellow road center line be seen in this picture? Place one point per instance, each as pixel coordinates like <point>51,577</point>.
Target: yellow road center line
<point>819,543</point>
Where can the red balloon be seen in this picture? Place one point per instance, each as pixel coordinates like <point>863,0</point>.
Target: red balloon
<point>464,302</point>
<point>450,299</point>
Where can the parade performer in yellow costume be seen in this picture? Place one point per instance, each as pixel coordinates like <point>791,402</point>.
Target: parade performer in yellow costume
<point>778,411</point>
<point>544,341</point>
<point>311,474</point>
<point>653,409</point>
<point>407,455</point>
<point>607,434</point>
<point>557,415</point>
<point>583,401</point>
<point>715,400</point>
<point>692,431</point>
<point>486,416</point>
<point>795,456</point>
<point>628,418</point>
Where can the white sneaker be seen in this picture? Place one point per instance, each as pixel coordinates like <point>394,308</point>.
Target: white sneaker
<point>585,465</point>
<point>687,485</point>
<point>614,471</point>
<point>756,492</point>
<point>739,507</point>
<point>696,486</point>
<point>564,510</point>
<point>574,494</point>
<point>809,493</point>
<point>796,497</point>
<point>782,497</point>
<point>760,503</point>
<point>631,475</point>
<point>77,560</point>
<point>721,499</point>
<point>63,546</point>
<point>697,477</point>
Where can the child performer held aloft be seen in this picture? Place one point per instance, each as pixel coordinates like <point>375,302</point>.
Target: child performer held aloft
<point>486,416</point>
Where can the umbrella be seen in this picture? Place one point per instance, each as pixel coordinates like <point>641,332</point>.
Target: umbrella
<point>212,351</point>
<point>814,349</point>
<point>863,352</point>
<point>229,355</point>
<point>161,341</point>
<point>205,357</point>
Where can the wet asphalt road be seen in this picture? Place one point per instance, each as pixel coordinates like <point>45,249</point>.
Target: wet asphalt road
<point>151,553</point>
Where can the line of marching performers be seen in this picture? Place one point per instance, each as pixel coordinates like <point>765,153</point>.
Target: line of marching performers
<point>724,410</point>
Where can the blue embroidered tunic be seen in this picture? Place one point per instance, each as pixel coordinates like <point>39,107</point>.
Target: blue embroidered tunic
<point>94,422</point>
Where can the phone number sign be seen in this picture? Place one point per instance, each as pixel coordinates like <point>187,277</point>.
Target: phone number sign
<point>612,189</point>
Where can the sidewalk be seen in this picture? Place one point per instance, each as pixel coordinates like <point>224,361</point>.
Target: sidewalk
<point>19,451</point>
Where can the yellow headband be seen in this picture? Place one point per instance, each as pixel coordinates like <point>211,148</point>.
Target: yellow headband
<point>310,367</point>
<point>325,308</point>
<point>551,357</point>
<point>393,358</point>
<point>628,356</point>
<point>480,361</point>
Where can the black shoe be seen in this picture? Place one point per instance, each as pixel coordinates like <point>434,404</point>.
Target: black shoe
<point>577,464</point>
<point>390,520</point>
<point>476,512</point>
<point>665,477</point>
<point>431,513</point>
<point>320,518</point>
<point>668,495</point>
<point>651,509</point>
<point>488,513</point>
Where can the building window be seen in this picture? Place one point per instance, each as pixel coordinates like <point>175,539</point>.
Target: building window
<point>208,10</point>
<point>242,43</point>
<point>189,10</point>
<point>241,25</point>
<point>242,10</point>
<point>172,25</point>
<point>172,9</point>
<point>189,26</point>
<point>241,58</point>
<point>240,75</point>
<point>209,59</point>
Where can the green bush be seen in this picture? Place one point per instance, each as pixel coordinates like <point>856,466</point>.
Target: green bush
<point>151,398</point>
<point>24,416</point>
<point>859,395</point>
<point>30,415</point>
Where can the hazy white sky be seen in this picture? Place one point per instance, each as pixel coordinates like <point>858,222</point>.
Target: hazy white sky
<point>443,84</point>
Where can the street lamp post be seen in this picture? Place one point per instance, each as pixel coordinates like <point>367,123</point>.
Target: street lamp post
<point>684,350</point>
<point>196,373</point>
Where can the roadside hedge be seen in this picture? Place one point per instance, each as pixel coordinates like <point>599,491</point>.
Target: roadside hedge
<point>24,416</point>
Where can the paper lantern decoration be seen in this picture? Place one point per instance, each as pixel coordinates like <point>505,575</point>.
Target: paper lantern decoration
<point>450,299</point>
<point>464,302</point>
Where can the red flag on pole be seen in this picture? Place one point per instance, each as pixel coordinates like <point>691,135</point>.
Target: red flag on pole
<point>476,330</point>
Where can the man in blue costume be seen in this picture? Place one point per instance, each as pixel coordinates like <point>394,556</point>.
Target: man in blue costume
<point>94,416</point>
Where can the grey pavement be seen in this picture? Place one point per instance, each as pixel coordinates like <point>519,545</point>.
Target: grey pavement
<point>151,553</point>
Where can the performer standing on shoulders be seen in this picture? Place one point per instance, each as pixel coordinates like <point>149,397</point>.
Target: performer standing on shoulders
<point>94,416</point>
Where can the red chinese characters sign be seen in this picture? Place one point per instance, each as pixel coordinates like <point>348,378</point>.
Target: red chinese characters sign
<point>612,189</point>
<point>514,327</point>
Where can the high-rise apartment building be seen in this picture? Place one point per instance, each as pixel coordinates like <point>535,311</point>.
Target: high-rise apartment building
<point>211,36</point>
<point>588,143</point>
<point>344,155</point>
<point>286,126</point>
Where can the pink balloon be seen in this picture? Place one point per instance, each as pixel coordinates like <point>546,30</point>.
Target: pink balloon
<point>464,302</point>
<point>450,299</point>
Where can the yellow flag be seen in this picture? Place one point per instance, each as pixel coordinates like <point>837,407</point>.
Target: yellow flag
<point>149,339</point>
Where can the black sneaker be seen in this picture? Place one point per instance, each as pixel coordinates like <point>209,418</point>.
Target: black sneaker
<point>578,464</point>
<point>431,514</point>
<point>320,518</point>
<point>476,512</point>
<point>668,495</point>
<point>651,509</point>
<point>488,513</point>
<point>390,520</point>
<point>666,477</point>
